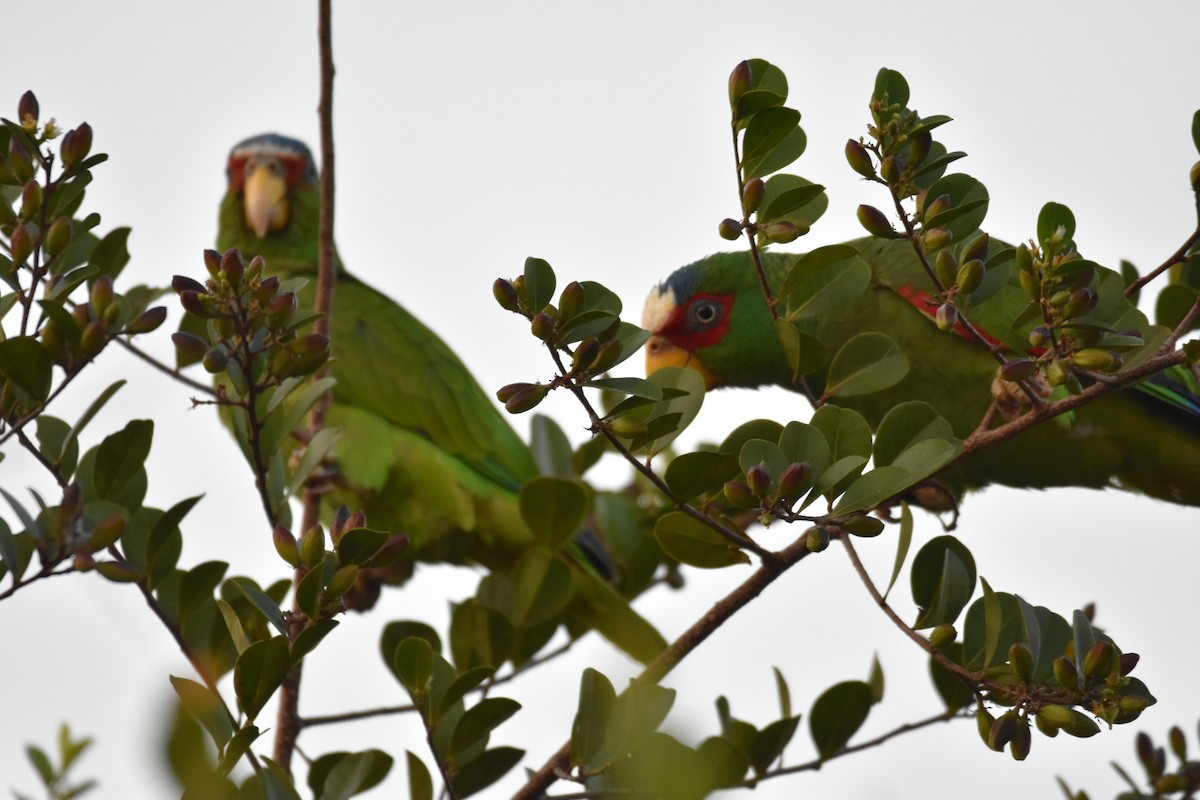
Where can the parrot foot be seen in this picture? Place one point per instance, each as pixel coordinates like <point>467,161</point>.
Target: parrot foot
<point>1012,400</point>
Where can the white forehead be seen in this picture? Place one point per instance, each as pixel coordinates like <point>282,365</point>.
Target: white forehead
<point>659,305</point>
<point>265,150</point>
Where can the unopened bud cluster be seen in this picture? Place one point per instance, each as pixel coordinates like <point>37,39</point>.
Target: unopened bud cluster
<point>75,337</point>
<point>250,321</point>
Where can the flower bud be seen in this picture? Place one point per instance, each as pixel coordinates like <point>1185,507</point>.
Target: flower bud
<point>739,494</point>
<point>859,159</point>
<point>875,222</point>
<point>102,294</point>
<point>506,295</point>
<point>92,340</point>
<point>508,390</point>
<point>312,546</point>
<point>58,236</point>
<point>1002,730</point>
<point>214,361</point>
<point>280,310</point>
<point>1056,716</point>
<point>889,169</point>
<point>939,205</point>
<point>341,581</point>
<point>310,352</point>
<point>816,539</point>
<point>197,304</point>
<point>19,161</point>
<point>983,723</point>
<point>1098,661</point>
<point>946,267</point>
<point>609,355</point>
<point>1195,177</point>
<point>1022,661</point>
<point>783,231</point>
<point>147,321</point>
<point>1081,726</point>
<point>1178,742</point>
<point>946,317</point>
<point>1018,369</point>
<point>56,346</point>
<point>1022,740</point>
<point>1094,358</point>
<point>1133,704</point>
<point>107,532</point>
<point>752,196</point>
<point>27,111</point>
<point>182,283</point>
<point>526,399</point>
<point>730,229</point>
<point>1048,730</point>
<point>233,268</point>
<point>212,263</point>
<point>759,480</point>
<point>1057,373</point>
<point>20,245</point>
<point>919,145</point>
<point>794,481</point>
<point>1079,302</point>
<point>977,248</point>
<point>863,525</point>
<point>585,353</point>
<point>942,636</point>
<point>1128,662</point>
<point>739,83</point>
<point>189,349</point>
<point>117,571</point>
<point>1039,336</point>
<point>286,545</point>
<point>31,199</point>
<point>935,239</point>
<point>76,145</point>
<point>1024,258</point>
<point>1065,674</point>
<point>570,302</point>
<point>970,275</point>
<point>542,326</point>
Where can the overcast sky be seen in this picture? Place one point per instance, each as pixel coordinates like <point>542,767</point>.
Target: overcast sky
<point>472,135</point>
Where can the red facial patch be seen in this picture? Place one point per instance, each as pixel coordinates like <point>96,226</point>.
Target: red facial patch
<point>686,330</point>
<point>294,166</point>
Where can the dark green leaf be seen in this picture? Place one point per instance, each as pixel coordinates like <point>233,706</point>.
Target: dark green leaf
<point>354,773</point>
<point>805,353</point>
<point>754,429</point>
<point>773,140</point>
<point>420,782</point>
<point>1196,130</point>
<point>112,252</point>
<point>1084,636</point>
<point>905,425</point>
<point>638,387</point>
<point>725,764</point>
<point>261,601</point>
<point>25,363</point>
<point>902,545</point>
<point>823,280</point>
<point>687,405</point>
<point>396,632</point>
<point>871,489</point>
<point>542,584</point>
<point>358,545</point>
<point>589,730</point>
<point>310,637</point>
<point>413,665</point>
<point>954,691</point>
<point>1052,217</point>
<point>890,86</point>
<point>459,687</point>
<point>693,474</point>
<point>692,542</point>
<point>768,744</point>
<point>485,770</point>
<point>539,284</point>
<point>551,448</point>
<point>479,636</point>
<point>993,621</point>
<point>553,508</point>
<point>794,199</point>
<point>207,708</point>
<point>259,672</point>
<point>943,580</point>
<point>121,456</point>
<point>968,204</point>
<point>479,721</point>
<point>785,695</point>
<point>838,714</point>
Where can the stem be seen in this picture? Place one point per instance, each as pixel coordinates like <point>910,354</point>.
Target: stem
<point>161,367</point>
<point>688,641</point>
<point>289,722</point>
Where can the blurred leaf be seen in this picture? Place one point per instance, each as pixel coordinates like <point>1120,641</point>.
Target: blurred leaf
<point>479,721</point>
<point>112,252</point>
<point>868,362</point>
<point>261,601</point>
<point>259,672</point>
<point>1196,130</point>
<point>207,708</point>
<point>459,687</point>
<point>838,714</point>
<point>992,622</point>
<point>903,543</point>
<point>767,429</point>
<point>482,772</point>
<point>551,448</point>
<point>396,632</point>
<point>1173,303</point>
<point>539,284</point>
<point>234,624</point>
<point>1084,637</point>
<point>358,545</point>
<point>692,542</point>
<point>785,695</point>
<point>553,508</point>
<point>412,663</point>
<point>768,743</point>
<point>943,580</point>
<point>318,447</point>
<point>542,585</point>
<point>588,731</point>
<point>724,764</point>
<point>53,436</point>
<point>638,387</point>
<point>420,782</point>
<point>479,636</point>
<point>308,639</point>
<point>25,363</point>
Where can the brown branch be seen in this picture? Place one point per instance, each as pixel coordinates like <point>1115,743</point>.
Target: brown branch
<point>161,367</point>
<point>289,723</point>
<point>1178,257</point>
<point>688,641</point>
<point>45,572</point>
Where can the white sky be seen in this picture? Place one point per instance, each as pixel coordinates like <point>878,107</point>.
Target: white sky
<point>471,135</point>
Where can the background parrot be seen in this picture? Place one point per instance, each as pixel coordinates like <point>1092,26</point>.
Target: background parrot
<point>711,315</point>
<point>422,449</point>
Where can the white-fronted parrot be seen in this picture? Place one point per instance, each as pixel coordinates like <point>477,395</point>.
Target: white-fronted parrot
<point>712,316</point>
<point>422,450</point>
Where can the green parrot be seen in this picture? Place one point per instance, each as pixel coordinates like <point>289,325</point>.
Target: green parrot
<point>422,449</point>
<point>711,315</point>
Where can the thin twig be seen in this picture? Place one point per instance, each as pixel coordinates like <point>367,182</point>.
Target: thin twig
<point>44,573</point>
<point>1178,257</point>
<point>161,367</point>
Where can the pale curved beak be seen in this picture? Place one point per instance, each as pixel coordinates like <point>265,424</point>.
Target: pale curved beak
<point>660,352</point>
<point>266,201</point>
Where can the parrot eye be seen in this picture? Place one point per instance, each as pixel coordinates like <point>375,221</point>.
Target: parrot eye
<point>705,313</point>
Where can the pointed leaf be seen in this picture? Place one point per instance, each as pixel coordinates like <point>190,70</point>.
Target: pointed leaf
<point>693,474</point>
<point>943,580</point>
<point>420,782</point>
<point>259,672</point>
<point>482,772</point>
<point>903,543</point>
<point>261,601</point>
<point>539,284</point>
<point>207,708</point>
<point>838,714</point>
<point>692,542</point>
<point>588,731</point>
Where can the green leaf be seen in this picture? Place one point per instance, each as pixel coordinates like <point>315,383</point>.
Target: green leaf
<point>871,489</point>
<point>482,772</point>
<point>638,387</point>
<point>234,624</point>
<point>845,431</point>
<point>992,622</point>
<point>687,404</point>
<point>825,279</point>
<point>968,204</point>
<point>875,681</point>
<point>943,580</point>
<point>308,639</point>
<point>551,448</point>
<point>838,714</point>
<point>25,363</point>
<point>1052,217</point>
<point>479,636</point>
<point>765,453</point>
<point>206,707</point>
<point>165,542</point>
<point>955,693</point>
<point>479,721</point>
<point>794,199</point>
<point>1084,636</point>
<point>805,353</point>
<point>92,409</point>
<point>1196,130</point>
<point>542,584</point>
<point>891,86</point>
<point>906,425</point>
<point>112,252</point>
<point>351,774</point>
<point>261,601</point>
<point>358,545</point>
<point>767,429</point>
<point>121,456</point>
<point>693,474</point>
<point>553,509</point>
<point>420,782</point>
<point>868,362</point>
<point>259,672</point>
<point>725,764</point>
<point>318,447</point>
<point>785,695</point>
<point>801,442</point>
<point>903,543</point>
<point>589,729</point>
<point>459,687</point>
<point>8,550</point>
<point>692,542</point>
<point>412,663</point>
<point>768,743</point>
<point>396,632</point>
<point>976,631</point>
<point>773,140</point>
<point>539,284</point>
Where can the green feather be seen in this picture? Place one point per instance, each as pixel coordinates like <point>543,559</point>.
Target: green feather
<point>1145,439</point>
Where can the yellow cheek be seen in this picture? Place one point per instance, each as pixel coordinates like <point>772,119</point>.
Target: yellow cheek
<point>662,353</point>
